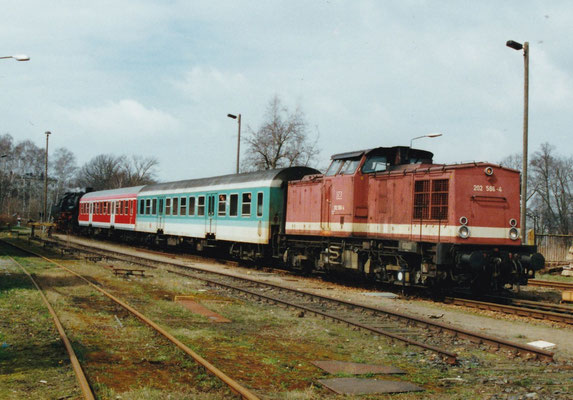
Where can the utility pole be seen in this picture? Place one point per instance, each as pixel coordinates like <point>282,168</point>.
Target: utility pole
<point>48,133</point>
<point>238,118</point>
<point>525,46</point>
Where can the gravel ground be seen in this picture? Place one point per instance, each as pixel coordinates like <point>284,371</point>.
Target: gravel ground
<point>517,329</point>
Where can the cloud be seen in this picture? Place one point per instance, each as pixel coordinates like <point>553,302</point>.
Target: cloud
<point>127,118</point>
<point>208,83</point>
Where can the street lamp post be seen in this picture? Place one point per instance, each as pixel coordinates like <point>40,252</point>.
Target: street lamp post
<point>19,57</point>
<point>525,46</point>
<point>430,135</point>
<point>238,118</point>
<point>48,133</point>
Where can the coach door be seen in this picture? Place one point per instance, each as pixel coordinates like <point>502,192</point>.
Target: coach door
<point>112,213</point>
<point>160,214</point>
<point>211,215</point>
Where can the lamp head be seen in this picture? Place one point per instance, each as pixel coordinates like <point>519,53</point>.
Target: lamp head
<point>514,45</point>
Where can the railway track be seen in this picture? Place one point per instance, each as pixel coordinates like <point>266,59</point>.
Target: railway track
<point>423,333</point>
<point>233,385</point>
<point>550,284</point>
<point>524,308</point>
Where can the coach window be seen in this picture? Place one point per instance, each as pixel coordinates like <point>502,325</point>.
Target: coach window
<point>222,204</point>
<point>126,207</point>
<point>160,210</point>
<point>234,205</point>
<point>168,206</point>
<point>201,205</point>
<point>259,204</point>
<point>147,206</point>
<point>183,206</point>
<point>117,207</point>
<point>153,206</point>
<point>141,207</point>
<point>246,208</point>
<point>175,206</point>
<point>191,205</point>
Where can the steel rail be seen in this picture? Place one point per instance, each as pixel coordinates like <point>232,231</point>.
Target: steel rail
<point>550,284</point>
<point>450,357</point>
<point>524,311</point>
<point>87,391</point>
<point>474,337</point>
<point>232,384</point>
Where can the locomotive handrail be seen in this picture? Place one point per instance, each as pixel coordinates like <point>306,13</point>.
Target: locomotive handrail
<point>477,197</point>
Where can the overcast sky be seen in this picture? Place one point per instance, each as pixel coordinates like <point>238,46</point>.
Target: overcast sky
<point>157,78</point>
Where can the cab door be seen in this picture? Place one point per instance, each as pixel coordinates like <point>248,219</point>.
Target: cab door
<point>211,215</point>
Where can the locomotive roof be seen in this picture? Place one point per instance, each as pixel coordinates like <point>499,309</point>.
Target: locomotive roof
<point>112,192</point>
<point>273,177</point>
<point>412,153</point>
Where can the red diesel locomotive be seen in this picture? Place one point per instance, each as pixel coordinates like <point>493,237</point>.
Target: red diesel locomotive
<point>394,216</point>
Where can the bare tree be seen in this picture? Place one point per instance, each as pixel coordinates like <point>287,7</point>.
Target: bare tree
<point>283,140</point>
<point>552,178</point>
<point>138,170</point>
<point>107,171</point>
<point>63,171</point>
<point>102,172</point>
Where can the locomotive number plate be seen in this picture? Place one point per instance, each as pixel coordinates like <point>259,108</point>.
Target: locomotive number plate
<point>487,188</point>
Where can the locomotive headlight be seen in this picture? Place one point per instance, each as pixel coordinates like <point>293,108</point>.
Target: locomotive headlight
<point>464,232</point>
<point>513,233</point>
<point>513,222</point>
<point>400,276</point>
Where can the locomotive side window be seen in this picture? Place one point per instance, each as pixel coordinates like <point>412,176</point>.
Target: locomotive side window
<point>222,204</point>
<point>375,164</point>
<point>259,204</point>
<point>246,208</point>
<point>175,206</point>
<point>334,167</point>
<point>168,206</point>
<point>201,206</point>
<point>183,206</point>
<point>234,205</point>
<point>192,205</point>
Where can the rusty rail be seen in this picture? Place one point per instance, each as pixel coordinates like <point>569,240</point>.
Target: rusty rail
<point>474,337</point>
<point>232,384</point>
<point>550,284</point>
<point>87,391</point>
<point>530,309</point>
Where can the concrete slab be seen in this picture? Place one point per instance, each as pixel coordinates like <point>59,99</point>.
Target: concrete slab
<point>368,386</point>
<point>387,295</point>
<point>193,306</point>
<point>342,367</point>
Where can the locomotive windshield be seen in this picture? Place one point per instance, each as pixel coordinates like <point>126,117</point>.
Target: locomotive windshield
<point>343,167</point>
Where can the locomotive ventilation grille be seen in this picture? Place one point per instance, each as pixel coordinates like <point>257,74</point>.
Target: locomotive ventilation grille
<point>431,199</point>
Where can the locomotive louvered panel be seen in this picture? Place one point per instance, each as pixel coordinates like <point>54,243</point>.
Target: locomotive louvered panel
<point>440,199</point>
<point>422,199</point>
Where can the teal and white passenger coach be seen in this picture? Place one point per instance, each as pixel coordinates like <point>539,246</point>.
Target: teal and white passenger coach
<point>238,208</point>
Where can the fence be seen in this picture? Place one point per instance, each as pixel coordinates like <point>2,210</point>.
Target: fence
<point>555,248</point>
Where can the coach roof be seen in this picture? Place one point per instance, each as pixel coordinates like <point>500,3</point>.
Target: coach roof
<point>112,193</point>
<point>273,177</point>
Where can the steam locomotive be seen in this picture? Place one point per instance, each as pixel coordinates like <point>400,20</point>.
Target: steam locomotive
<point>388,214</point>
